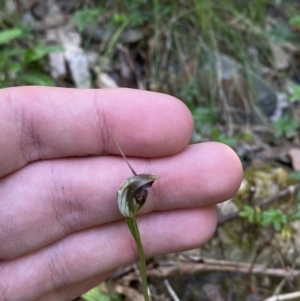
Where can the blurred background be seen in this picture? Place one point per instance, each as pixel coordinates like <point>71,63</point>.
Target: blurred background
<point>236,65</point>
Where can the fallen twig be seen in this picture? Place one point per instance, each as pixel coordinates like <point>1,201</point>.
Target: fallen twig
<point>171,291</point>
<point>284,297</point>
<point>176,268</point>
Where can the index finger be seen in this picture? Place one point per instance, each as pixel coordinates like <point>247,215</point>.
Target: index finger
<point>44,123</point>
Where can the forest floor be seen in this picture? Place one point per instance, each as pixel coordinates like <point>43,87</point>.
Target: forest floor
<point>236,65</point>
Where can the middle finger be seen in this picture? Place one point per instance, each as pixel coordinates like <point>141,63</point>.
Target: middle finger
<point>55,198</point>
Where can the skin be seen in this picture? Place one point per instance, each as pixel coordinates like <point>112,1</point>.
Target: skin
<point>61,231</point>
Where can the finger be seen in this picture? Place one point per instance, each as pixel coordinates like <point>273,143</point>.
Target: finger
<point>55,198</point>
<point>74,290</point>
<point>85,254</point>
<point>43,123</point>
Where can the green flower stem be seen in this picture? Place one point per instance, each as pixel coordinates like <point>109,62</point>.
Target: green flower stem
<point>131,196</point>
<point>132,225</point>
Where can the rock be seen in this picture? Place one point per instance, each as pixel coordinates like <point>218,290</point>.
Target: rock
<point>104,80</point>
<point>282,106</point>
<point>57,65</point>
<point>131,35</point>
<point>266,97</point>
<point>227,207</point>
<point>230,84</point>
<point>281,58</point>
<point>73,55</point>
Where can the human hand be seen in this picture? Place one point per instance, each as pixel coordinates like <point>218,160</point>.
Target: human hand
<point>61,232</point>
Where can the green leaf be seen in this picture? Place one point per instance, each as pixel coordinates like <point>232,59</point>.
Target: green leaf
<point>226,140</point>
<point>281,33</point>
<point>137,18</point>
<point>266,222</point>
<point>221,137</point>
<point>120,18</point>
<point>247,209</point>
<point>83,17</point>
<point>258,217</point>
<point>249,213</point>
<point>295,21</point>
<point>9,35</point>
<point>296,92</point>
<point>285,125</point>
<point>205,115</point>
<point>298,196</point>
<point>295,215</point>
<point>295,175</point>
<point>36,78</point>
<point>277,226</point>
<point>275,217</point>
<point>38,52</point>
<point>15,67</point>
<point>95,294</point>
